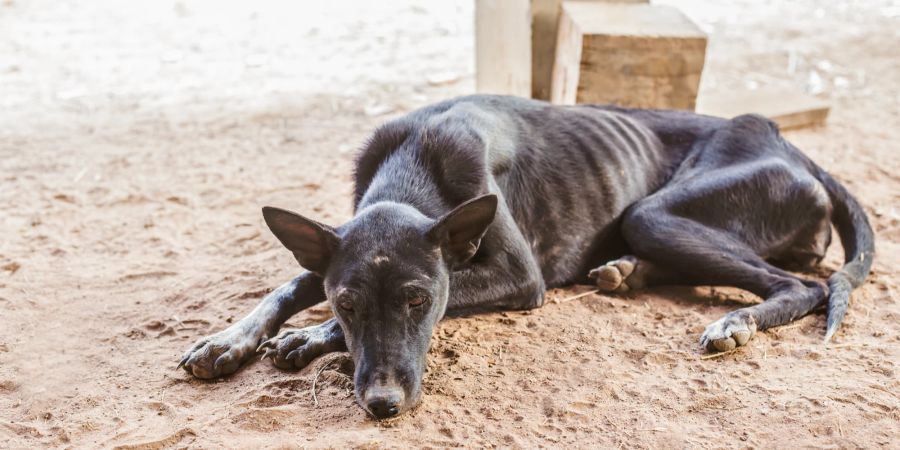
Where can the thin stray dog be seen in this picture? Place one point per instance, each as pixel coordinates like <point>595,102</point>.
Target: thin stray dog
<point>485,201</point>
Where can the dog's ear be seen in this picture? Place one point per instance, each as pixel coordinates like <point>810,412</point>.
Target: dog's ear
<point>311,242</point>
<point>460,231</point>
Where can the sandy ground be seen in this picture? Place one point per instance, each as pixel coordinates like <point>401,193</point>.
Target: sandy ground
<point>138,142</point>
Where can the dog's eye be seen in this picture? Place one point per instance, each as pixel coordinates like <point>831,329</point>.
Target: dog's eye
<point>345,301</point>
<point>416,300</point>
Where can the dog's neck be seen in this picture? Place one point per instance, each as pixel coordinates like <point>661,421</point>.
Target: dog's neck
<point>403,179</point>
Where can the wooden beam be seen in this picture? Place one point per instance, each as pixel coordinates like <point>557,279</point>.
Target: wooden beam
<point>789,108</point>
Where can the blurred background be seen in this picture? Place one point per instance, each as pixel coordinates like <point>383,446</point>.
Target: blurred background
<point>138,141</point>
<point>102,56</point>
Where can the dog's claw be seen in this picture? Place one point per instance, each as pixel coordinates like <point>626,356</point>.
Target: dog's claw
<point>266,344</point>
<point>182,363</point>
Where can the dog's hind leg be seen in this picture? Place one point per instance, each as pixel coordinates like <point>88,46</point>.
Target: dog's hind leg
<point>703,255</point>
<point>222,353</point>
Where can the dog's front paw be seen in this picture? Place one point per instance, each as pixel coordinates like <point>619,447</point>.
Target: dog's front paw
<point>296,348</point>
<point>219,354</point>
<point>733,330</point>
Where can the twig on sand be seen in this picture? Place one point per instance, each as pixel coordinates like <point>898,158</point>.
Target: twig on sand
<point>315,379</point>
<point>716,355</point>
<point>577,296</point>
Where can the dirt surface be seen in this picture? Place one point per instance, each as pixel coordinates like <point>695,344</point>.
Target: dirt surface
<point>138,142</point>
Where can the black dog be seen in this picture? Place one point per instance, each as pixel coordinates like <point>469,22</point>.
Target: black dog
<point>485,201</point>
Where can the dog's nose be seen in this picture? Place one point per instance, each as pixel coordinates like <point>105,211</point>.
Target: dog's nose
<point>384,401</point>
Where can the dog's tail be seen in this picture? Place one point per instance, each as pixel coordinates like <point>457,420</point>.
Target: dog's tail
<point>858,241</point>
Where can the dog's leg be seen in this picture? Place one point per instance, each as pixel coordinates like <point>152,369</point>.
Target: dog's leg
<point>296,348</point>
<point>702,255</point>
<point>505,274</point>
<point>222,353</point>
<point>493,284</point>
<point>630,272</point>
<point>786,299</point>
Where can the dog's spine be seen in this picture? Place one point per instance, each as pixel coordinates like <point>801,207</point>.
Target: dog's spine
<point>858,241</point>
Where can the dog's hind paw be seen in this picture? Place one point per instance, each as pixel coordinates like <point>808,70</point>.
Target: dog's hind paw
<point>615,276</point>
<point>733,330</point>
<point>296,348</point>
<point>219,354</point>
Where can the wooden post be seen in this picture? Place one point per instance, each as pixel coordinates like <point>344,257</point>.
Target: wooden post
<point>503,47</point>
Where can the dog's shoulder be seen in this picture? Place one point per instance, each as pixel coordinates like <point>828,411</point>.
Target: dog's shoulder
<point>457,142</point>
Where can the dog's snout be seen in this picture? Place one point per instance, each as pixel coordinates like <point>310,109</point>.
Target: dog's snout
<point>384,401</point>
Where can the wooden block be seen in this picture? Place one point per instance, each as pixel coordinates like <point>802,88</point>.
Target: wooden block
<point>635,55</point>
<point>544,22</point>
<point>503,47</point>
<point>788,108</point>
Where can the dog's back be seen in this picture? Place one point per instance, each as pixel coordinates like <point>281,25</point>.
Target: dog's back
<point>566,173</point>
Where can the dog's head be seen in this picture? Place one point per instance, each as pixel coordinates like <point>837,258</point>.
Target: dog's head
<point>387,277</point>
